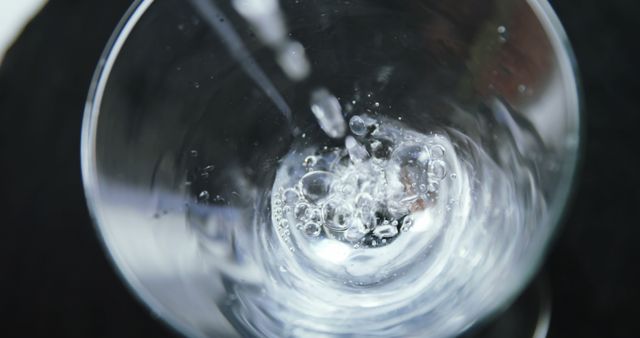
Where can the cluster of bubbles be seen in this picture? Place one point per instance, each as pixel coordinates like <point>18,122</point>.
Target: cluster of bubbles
<point>365,193</point>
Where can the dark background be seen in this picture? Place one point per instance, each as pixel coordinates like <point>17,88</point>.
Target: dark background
<point>56,280</point>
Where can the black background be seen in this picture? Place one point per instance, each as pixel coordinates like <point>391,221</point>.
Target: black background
<point>56,280</point>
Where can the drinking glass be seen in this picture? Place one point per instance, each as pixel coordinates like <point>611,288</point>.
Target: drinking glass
<point>181,146</point>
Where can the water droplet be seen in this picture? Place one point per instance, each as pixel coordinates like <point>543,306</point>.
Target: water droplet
<point>502,34</point>
<point>291,57</point>
<point>358,126</point>
<point>203,196</point>
<point>522,89</point>
<point>328,112</point>
<point>312,229</point>
<point>310,162</point>
<point>357,152</point>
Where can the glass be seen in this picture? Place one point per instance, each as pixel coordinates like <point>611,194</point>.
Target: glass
<point>185,157</point>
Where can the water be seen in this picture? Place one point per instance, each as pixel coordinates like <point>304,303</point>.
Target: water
<point>267,20</point>
<point>388,232</point>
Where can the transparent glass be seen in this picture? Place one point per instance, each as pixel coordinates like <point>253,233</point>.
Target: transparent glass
<point>181,149</point>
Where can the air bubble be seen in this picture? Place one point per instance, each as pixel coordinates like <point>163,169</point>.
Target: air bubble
<point>336,215</point>
<point>357,126</point>
<point>300,210</point>
<point>312,229</point>
<point>437,152</point>
<point>315,215</point>
<point>290,196</point>
<point>437,169</point>
<point>315,185</point>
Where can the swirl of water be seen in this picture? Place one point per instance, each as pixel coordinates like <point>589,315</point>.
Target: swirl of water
<point>394,233</point>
